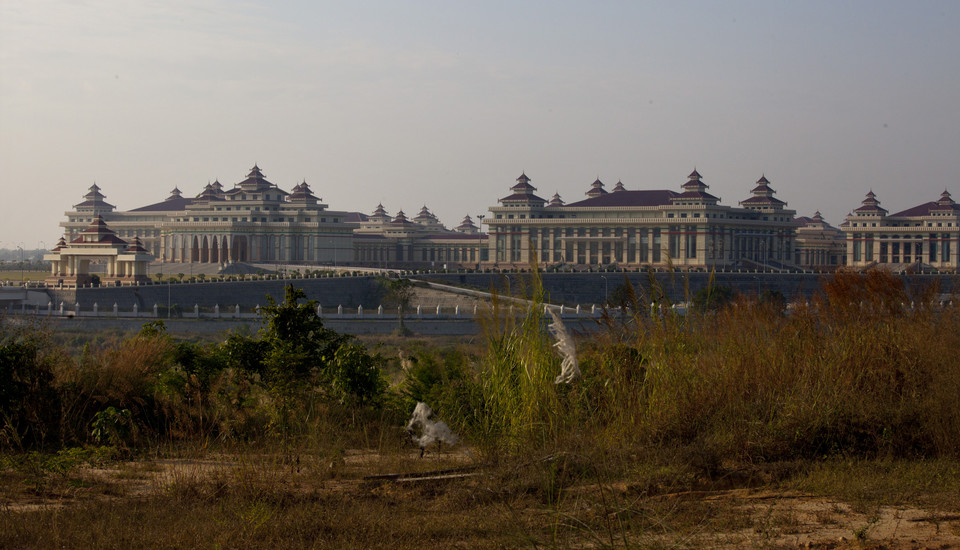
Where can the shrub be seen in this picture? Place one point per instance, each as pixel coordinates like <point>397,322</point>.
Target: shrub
<point>28,398</point>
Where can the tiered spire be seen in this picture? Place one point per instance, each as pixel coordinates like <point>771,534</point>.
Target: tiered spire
<point>401,218</point>
<point>763,198</point>
<point>945,199</point>
<point>94,193</point>
<point>596,189</point>
<point>523,193</point>
<point>695,191</point>
<point>695,182</point>
<point>425,216</point>
<point>871,205</point>
<point>94,200</point>
<point>467,225</point>
<point>209,192</point>
<point>523,185</point>
<point>255,180</point>
<point>619,187</point>
<point>302,193</point>
<point>763,188</point>
<point>380,215</point>
<point>556,200</point>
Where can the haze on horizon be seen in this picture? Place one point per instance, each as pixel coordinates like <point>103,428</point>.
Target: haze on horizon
<point>445,103</point>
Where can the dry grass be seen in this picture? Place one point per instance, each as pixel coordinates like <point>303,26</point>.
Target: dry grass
<point>259,499</point>
<point>742,427</point>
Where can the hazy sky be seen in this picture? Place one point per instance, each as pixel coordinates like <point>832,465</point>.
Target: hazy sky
<point>445,102</point>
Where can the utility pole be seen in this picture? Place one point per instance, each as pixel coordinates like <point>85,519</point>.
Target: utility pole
<point>479,238</point>
<point>20,248</point>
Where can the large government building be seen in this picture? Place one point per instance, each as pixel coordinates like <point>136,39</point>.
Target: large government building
<point>924,237</point>
<point>257,222</point>
<point>688,228</point>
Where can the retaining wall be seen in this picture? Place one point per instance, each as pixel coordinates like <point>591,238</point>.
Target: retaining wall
<point>561,288</point>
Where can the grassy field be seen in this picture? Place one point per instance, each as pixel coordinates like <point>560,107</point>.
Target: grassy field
<point>743,424</point>
<point>15,276</point>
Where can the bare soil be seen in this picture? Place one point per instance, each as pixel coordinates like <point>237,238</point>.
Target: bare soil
<point>505,508</point>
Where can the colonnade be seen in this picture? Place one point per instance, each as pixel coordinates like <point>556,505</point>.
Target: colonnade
<point>270,247</point>
<point>677,244</point>
<point>939,249</point>
<point>415,253</point>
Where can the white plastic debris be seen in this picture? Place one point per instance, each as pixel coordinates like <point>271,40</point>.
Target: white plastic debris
<point>569,370</point>
<point>431,431</point>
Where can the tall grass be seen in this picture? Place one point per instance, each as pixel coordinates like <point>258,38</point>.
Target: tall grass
<point>520,405</point>
<point>855,371</point>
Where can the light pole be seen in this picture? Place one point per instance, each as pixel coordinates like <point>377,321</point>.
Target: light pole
<point>606,293</point>
<point>20,248</point>
<point>479,238</point>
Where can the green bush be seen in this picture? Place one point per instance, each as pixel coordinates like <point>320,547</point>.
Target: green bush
<point>29,402</point>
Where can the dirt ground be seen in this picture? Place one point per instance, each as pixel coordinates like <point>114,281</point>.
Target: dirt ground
<point>731,518</point>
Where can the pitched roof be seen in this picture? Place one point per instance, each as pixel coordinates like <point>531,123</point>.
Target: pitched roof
<point>137,247</point>
<point>762,200</point>
<point>173,203</point>
<point>647,197</point>
<point>355,217</point>
<point>98,228</point>
<point>522,197</point>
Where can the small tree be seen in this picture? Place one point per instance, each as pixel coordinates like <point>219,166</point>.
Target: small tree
<point>398,293</point>
<point>298,352</point>
<point>712,298</point>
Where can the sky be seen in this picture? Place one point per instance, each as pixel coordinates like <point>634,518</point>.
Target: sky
<point>444,103</point>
